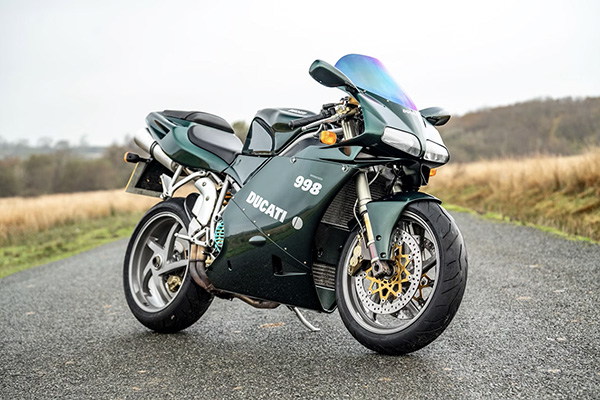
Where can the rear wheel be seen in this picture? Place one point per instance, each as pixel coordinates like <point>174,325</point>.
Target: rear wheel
<point>407,310</point>
<point>158,288</point>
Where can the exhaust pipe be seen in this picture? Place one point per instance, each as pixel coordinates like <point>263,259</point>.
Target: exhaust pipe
<point>146,142</point>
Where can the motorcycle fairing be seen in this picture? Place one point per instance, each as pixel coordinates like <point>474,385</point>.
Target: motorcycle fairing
<point>382,102</point>
<point>176,137</point>
<point>384,214</point>
<point>277,120</point>
<point>277,267</point>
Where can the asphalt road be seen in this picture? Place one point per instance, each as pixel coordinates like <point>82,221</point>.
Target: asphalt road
<point>528,328</point>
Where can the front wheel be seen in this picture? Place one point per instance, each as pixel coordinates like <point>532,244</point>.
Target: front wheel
<point>407,310</point>
<point>158,287</point>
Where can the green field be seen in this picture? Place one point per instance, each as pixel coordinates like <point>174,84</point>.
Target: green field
<point>61,241</point>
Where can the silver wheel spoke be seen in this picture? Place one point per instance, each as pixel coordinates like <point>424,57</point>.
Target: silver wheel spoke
<point>430,263</point>
<point>169,243</point>
<point>161,290</point>
<point>155,247</point>
<point>411,309</point>
<point>173,266</point>
<point>147,274</point>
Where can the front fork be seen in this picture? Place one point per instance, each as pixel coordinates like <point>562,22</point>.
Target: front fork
<point>364,196</point>
<point>363,193</point>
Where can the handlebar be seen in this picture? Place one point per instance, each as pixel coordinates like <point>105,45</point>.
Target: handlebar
<point>297,123</point>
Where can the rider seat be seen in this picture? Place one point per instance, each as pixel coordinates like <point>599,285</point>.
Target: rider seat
<point>211,133</point>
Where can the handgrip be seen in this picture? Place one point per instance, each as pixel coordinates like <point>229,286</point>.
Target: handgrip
<point>307,120</point>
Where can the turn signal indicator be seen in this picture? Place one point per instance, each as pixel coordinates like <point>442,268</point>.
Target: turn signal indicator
<point>328,137</point>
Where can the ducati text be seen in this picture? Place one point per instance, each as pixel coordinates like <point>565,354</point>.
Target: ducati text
<point>264,206</point>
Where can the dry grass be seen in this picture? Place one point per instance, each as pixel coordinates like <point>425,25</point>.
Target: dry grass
<point>19,216</point>
<point>559,192</point>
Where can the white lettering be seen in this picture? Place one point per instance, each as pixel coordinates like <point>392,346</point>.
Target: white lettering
<point>412,112</point>
<point>278,213</point>
<point>271,211</point>
<point>283,216</point>
<point>263,206</point>
<point>293,110</point>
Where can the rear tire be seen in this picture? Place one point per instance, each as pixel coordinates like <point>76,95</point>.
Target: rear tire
<point>407,311</point>
<point>158,287</point>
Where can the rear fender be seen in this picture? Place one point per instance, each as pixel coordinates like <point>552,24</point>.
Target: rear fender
<point>383,215</point>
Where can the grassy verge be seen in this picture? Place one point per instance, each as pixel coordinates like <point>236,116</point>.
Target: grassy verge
<point>63,240</point>
<point>501,218</point>
<point>557,194</point>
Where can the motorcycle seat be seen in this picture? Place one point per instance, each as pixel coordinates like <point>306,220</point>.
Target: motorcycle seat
<point>212,133</point>
<point>219,142</point>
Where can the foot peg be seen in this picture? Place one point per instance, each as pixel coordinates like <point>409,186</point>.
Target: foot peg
<point>304,321</point>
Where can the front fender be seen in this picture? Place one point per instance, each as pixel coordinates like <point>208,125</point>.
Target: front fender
<point>384,213</point>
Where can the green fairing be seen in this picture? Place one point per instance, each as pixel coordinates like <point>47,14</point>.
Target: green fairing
<point>281,269</point>
<point>244,166</point>
<point>378,112</point>
<point>384,214</point>
<point>327,298</point>
<point>177,145</point>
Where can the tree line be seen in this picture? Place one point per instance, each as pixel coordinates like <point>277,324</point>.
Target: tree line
<point>544,126</point>
<point>61,168</point>
<point>63,171</point>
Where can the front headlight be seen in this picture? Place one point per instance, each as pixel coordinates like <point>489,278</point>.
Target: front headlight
<point>402,140</point>
<point>436,153</point>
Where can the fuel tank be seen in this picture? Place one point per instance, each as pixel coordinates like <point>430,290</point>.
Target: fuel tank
<point>277,120</point>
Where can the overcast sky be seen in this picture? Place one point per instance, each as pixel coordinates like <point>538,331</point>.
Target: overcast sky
<point>94,69</point>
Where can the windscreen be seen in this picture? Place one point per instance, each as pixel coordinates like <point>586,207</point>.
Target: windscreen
<point>369,74</point>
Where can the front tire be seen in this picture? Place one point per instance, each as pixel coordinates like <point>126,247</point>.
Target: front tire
<point>158,287</point>
<point>408,310</point>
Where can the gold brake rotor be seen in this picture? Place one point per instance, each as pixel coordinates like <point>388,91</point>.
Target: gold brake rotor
<point>390,289</point>
<point>425,282</point>
<point>174,283</point>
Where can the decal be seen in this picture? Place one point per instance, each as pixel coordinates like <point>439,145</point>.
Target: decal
<point>308,185</point>
<point>297,223</point>
<point>263,205</point>
<point>411,112</point>
<point>293,110</point>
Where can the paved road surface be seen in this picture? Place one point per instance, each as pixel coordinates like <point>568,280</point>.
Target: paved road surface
<point>528,328</point>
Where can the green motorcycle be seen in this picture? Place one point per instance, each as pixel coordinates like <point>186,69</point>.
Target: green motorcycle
<point>312,211</point>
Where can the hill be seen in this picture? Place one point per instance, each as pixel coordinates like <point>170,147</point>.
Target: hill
<point>544,126</point>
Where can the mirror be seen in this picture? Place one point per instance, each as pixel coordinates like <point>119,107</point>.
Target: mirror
<point>436,116</point>
<point>328,75</point>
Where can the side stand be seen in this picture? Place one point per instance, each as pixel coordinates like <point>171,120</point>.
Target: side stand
<point>304,321</point>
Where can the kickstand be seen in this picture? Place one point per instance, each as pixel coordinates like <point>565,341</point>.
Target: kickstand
<point>303,320</point>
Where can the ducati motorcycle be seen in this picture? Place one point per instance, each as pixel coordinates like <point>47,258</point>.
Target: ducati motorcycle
<point>313,211</point>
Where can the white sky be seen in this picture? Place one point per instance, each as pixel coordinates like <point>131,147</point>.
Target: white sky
<point>75,68</point>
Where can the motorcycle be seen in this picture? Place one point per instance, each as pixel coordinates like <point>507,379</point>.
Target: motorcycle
<point>314,210</point>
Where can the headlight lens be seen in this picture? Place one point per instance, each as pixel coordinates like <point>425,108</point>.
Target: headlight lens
<point>436,153</point>
<point>402,140</point>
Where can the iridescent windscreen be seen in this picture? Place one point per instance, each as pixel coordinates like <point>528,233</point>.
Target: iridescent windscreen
<point>369,74</point>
